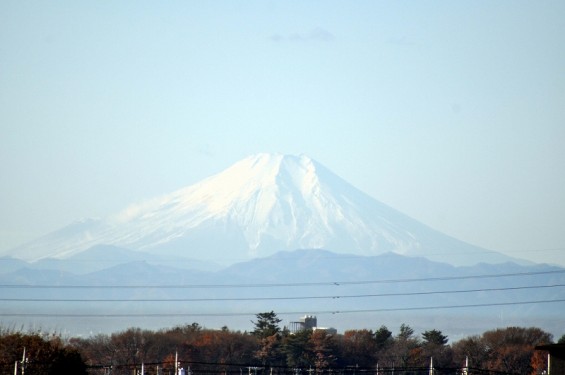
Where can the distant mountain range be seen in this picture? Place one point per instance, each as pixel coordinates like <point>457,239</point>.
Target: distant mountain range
<point>259,206</point>
<point>346,291</point>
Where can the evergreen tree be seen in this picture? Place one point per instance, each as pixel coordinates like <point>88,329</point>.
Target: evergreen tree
<point>382,337</point>
<point>267,330</point>
<point>267,324</point>
<point>434,337</point>
<point>297,349</point>
<point>406,332</point>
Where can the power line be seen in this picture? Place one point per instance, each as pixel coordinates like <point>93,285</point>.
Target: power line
<point>279,298</point>
<point>333,312</point>
<point>274,285</point>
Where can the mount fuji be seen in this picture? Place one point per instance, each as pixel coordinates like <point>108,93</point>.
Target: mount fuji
<point>257,207</point>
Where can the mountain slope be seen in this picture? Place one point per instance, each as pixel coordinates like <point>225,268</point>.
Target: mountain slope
<point>258,206</point>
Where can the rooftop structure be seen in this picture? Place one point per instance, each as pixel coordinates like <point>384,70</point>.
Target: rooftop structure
<point>309,322</point>
<point>305,322</point>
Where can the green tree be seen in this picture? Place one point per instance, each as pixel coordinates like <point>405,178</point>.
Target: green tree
<point>383,341</point>
<point>405,332</point>
<point>382,337</point>
<point>434,337</point>
<point>358,348</point>
<point>435,346</point>
<point>297,349</point>
<point>267,324</point>
<point>267,330</point>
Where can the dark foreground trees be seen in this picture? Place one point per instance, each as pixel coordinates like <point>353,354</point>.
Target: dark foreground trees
<point>38,354</point>
<point>509,350</point>
<point>198,349</point>
<point>272,349</point>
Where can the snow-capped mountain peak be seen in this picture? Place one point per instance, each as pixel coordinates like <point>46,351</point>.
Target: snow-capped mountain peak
<point>260,205</point>
<point>265,195</point>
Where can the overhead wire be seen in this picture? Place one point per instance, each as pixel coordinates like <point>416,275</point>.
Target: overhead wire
<point>266,285</point>
<point>398,294</point>
<point>274,285</point>
<point>333,312</point>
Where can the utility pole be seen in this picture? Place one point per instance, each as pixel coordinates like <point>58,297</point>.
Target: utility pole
<point>24,360</point>
<point>466,369</point>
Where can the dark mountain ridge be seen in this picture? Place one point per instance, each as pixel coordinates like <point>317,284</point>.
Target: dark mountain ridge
<point>349,291</point>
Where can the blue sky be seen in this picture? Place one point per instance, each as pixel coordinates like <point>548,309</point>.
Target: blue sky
<point>451,112</point>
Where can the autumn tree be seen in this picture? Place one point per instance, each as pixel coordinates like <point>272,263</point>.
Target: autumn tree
<point>223,347</point>
<point>236,347</point>
<point>131,347</point>
<point>97,350</point>
<point>323,348</point>
<point>538,362</point>
<point>472,349</point>
<point>358,348</point>
<point>507,349</point>
<point>181,340</point>
<point>511,349</point>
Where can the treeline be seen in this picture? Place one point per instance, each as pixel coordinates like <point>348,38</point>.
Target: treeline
<point>271,349</point>
<point>38,353</point>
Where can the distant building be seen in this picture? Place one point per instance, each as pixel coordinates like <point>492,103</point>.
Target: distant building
<point>556,360</point>
<point>306,322</point>
<point>309,322</point>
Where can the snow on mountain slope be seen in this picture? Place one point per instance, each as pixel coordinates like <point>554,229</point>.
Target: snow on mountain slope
<point>260,205</point>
